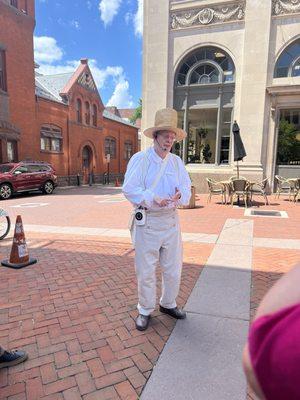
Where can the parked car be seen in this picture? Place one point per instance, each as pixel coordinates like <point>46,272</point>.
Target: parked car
<point>26,176</point>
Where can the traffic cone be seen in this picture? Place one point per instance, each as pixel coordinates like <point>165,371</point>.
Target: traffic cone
<point>19,256</point>
<point>117,184</point>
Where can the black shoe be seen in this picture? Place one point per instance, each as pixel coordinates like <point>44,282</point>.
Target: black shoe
<point>173,312</point>
<point>10,358</point>
<point>142,322</point>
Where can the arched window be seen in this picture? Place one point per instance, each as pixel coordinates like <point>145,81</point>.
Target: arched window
<point>210,74</point>
<point>288,63</point>
<point>79,111</point>
<point>111,147</point>
<point>204,66</point>
<point>51,138</point>
<point>128,150</point>
<point>95,115</point>
<point>87,113</point>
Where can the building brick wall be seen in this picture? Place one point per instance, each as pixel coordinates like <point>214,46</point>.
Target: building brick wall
<point>16,37</point>
<point>29,112</point>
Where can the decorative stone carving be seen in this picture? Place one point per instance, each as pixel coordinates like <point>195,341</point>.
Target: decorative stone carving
<point>87,82</point>
<point>208,15</point>
<point>282,7</point>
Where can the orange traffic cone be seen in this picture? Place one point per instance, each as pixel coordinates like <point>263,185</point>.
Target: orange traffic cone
<point>117,184</point>
<point>19,256</point>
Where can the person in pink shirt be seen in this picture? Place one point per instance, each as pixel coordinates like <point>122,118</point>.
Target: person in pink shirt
<point>271,357</point>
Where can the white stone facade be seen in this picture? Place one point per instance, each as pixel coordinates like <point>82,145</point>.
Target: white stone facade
<point>253,33</point>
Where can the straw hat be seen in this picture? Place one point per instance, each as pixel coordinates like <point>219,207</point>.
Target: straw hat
<point>166,120</point>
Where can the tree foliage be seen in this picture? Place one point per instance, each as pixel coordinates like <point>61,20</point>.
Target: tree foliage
<point>288,144</point>
<point>137,113</point>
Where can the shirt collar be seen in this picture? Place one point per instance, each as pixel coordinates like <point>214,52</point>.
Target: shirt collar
<point>155,157</point>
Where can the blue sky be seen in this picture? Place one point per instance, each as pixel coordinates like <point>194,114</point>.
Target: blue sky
<point>108,32</point>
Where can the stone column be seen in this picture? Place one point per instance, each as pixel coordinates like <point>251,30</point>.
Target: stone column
<point>253,107</point>
<point>155,61</point>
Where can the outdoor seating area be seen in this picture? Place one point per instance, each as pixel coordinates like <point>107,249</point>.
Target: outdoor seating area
<point>241,189</point>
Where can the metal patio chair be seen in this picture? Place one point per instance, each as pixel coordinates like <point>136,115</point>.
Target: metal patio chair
<point>297,190</point>
<point>216,188</point>
<point>284,187</point>
<point>259,188</point>
<point>239,189</point>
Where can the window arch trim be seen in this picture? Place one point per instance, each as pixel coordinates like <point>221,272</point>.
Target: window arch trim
<point>295,60</point>
<point>209,47</point>
<point>202,63</point>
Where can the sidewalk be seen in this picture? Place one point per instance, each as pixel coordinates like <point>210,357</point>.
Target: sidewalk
<point>74,311</point>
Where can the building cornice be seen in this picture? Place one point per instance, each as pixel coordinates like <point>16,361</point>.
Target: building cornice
<point>283,89</point>
<point>285,7</point>
<point>207,15</point>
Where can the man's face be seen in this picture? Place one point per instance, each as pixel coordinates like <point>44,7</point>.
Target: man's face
<point>166,139</point>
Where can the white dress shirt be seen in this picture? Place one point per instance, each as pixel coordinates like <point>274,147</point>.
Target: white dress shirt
<point>139,193</point>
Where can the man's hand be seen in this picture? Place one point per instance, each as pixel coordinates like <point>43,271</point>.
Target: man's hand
<point>162,202</point>
<point>176,196</point>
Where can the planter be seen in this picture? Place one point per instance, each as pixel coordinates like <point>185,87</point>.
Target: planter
<point>192,203</point>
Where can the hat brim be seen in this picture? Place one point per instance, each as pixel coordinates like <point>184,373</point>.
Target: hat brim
<point>180,133</point>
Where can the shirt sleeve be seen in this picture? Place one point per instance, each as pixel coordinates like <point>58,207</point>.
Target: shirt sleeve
<point>133,187</point>
<point>184,183</point>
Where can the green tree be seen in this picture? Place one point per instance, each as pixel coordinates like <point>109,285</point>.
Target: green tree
<point>137,113</point>
<point>288,144</point>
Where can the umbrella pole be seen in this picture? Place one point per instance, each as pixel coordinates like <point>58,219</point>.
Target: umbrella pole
<point>238,176</point>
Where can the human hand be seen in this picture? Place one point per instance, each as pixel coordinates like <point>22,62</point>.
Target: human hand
<point>162,202</point>
<point>176,196</point>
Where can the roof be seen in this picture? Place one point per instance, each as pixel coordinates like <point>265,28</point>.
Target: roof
<point>113,110</point>
<point>113,117</point>
<point>50,86</point>
<point>127,113</point>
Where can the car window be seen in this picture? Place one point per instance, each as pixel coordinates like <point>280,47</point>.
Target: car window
<point>22,169</point>
<point>5,168</point>
<point>45,168</point>
<point>38,168</point>
<point>34,168</point>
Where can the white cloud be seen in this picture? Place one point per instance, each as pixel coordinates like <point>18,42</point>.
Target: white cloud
<point>75,24</point>
<point>108,10</point>
<point>46,50</point>
<point>138,19</point>
<point>121,97</point>
<point>110,77</point>
<point>89,4</point>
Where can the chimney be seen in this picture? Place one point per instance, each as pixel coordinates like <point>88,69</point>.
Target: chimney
<point>84,61</point>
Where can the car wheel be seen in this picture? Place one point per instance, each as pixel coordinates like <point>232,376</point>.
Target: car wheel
<point>48,187</point>
<point>5,191</point>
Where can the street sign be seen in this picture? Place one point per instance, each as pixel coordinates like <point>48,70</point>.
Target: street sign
<point>108,158</point>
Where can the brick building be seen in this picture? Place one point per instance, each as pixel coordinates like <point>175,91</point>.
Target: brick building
<point>58,118</point>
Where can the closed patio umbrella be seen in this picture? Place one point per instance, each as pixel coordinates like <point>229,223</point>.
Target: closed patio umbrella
<point>239,149</point>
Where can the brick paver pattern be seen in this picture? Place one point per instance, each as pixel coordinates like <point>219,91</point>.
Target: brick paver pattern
<point>73,312</point>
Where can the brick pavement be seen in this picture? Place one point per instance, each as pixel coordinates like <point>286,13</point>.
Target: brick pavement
<point>74,314</point>
<point>74,311</point>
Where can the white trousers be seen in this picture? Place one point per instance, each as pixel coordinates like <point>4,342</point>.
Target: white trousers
<point>159,240</point>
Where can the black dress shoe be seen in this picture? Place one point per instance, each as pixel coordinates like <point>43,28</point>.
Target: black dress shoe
<point>142,322</point>
<point>173,312</point>
<point>10,358</point>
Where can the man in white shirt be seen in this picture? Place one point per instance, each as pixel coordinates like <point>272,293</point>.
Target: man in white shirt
<point>156,182</point>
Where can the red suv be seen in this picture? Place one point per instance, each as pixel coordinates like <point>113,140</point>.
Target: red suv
<point>26,176</point>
